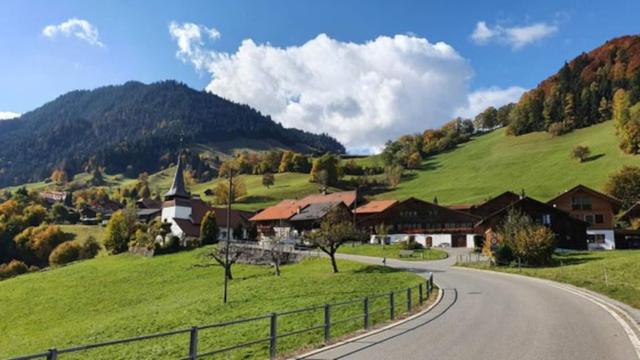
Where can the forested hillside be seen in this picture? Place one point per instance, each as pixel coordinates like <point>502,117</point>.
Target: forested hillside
<point>136,127</point>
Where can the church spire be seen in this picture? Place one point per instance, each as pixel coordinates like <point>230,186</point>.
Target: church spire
<point>178,190</point>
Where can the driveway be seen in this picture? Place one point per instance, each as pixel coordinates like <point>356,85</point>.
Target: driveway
<point>493,316</point>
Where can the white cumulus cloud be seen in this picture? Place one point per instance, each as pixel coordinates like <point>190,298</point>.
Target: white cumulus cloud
<point>361,93</point>
<point>6,115</point>
<point>481,99</point>
<point>517,36</point>
<point>79,28</point>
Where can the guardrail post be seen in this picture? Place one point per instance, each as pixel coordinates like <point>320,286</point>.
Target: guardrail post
<point>408,299</point>
<point>420,292</point>
<point>273,336</point>
<point>193,343</point>
<point>53,354</point>
<point>366,313</point>
<point>392,312</point>
<point>327,322</point>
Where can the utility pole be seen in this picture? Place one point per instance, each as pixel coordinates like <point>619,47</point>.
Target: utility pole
<point>226,252</point>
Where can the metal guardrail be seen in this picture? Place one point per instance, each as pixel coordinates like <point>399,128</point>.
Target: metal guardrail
<point>424,292</point>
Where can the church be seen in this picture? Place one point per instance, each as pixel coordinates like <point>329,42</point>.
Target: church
<point>185,213</point>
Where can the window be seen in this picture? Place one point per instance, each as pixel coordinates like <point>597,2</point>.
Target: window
<point>599,219</point>
<point>595,239</point>
<point>546,219</point>
<point>581,203</point>
<point>589,219</point>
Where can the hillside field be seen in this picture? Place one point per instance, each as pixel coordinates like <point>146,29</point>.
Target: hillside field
<point>538,163</point>
<point>121,296</point>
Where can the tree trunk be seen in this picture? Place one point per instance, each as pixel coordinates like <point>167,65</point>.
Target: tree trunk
<point>229,276</point>
<point>277,266</point>
<point>334,265</point>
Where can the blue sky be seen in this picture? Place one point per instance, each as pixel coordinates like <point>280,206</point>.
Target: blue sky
<point>134,42</point>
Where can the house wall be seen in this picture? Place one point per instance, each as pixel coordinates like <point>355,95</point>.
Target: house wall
<point>436,239</point>
<point>609,240</point>
<point>599,206</point>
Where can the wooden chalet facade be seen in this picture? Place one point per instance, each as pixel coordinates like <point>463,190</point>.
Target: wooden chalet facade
<point>570,233</point>
<point>595,208</point>
<point>422,221</point>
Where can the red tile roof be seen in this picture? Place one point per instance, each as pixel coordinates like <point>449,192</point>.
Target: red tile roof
<point>375,206</point>
<point>285,209</point>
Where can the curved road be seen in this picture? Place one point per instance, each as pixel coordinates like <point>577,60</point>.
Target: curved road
<point>494,316</point>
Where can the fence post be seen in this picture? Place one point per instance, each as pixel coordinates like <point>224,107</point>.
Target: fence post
<point>53,354</point>
<point>327,322</point>
<point>420,292</point>
<point>273,336</point>
<point>408,299</point>
<point>193,343</point>
<point>430,281</point>
<point>366,313</point>
<point>392,306</point>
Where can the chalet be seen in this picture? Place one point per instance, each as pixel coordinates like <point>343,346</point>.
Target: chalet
<point>278,220</point>
<point>148,209</point>
<point>54,197</point>
<point>489,206</point>
<point>418,220</point>
<point>595,208</point>
<point>185,213</point>
<point>570,232</point>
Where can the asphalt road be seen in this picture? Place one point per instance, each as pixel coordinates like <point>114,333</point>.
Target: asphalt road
<point>494,316</point>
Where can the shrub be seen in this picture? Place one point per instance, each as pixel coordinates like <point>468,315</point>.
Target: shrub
<point>65,253</point>
<point>143,239</point>
<point>411,245</point>
<point>625,185</point>
<point>13,268</point>
<point>558,129</point>
<point>90,248</point>
<point>580,152</point>
<point>118,232</point>
<point>35,244</point>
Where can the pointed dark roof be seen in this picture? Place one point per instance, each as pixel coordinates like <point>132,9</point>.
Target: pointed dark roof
<point>178,190</point>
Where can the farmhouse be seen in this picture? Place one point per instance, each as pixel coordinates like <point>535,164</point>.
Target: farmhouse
<point>595,208</point>
<point>570,232</point>
<point>289,218</point>
<point>417,220</point>
<point>185,213</point>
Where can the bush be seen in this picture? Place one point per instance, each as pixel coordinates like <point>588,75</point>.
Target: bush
<point>90,248</point>
<point>65,253</point>
<point>411,245</point>
<point>13,268</point>
<point>558,129</point>
<point>580,152</point>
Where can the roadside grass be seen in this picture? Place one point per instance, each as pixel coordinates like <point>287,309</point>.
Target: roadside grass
<point>122,296</point>
<point>587,270</point>
<point>391,251</point>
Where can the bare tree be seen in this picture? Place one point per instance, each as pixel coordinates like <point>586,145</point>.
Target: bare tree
<point>276,252</point>
<point>219,254</point>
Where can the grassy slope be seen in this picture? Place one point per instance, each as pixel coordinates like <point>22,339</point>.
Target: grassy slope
<point>391,251</point>
<point>538,163</point>
<point>121,296</point>
<point>586,269</point>
<point>81,232</point>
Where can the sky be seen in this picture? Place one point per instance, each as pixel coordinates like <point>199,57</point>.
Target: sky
<point>362,71</point>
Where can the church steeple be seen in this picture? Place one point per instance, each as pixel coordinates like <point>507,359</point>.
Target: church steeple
<point>178,190</point>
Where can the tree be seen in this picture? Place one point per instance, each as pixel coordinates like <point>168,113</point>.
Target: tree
<point>630,134</point>
<point>97,179</point>
<point>335,229</point>
<point>268,179</point>
<point>488,119</point>
<point>276,253</point>
<point>221,191</point>
<point>625,185</point>
<point>393,175</point>
<point>209,228</point>
<point>620,109</point>
<point>300,164</point>
<point>604,109</point>
<point>286,164</point>
<point>59,177</point>
<point>329,164</point>
<point>580,152</point>
<point>414,161</point>
<point>219,254</point>
<point>59,213</point>
<point>35,244</point>
<point>118,233</point>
